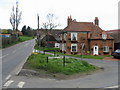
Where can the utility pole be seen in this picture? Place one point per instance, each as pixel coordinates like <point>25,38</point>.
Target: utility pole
<point>38,20</point>
<point>38,37</point>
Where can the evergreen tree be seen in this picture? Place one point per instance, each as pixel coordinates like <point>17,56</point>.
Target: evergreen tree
<point>29,31</point>
<point>24,31</point>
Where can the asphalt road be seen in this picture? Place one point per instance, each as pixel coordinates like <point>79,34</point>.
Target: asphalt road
<point>106,78</point>
<point>13,58</point>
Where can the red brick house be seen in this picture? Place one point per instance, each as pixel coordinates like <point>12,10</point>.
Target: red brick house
<point>86,38</point>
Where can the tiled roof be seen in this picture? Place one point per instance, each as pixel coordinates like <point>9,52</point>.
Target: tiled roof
<point>54,32</point>
<point>81,26</point>
<point>114,33</point>
<point>96,31</point>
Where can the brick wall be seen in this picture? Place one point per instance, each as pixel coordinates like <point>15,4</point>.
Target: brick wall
<point>100,44</point>
<point>89,44</point>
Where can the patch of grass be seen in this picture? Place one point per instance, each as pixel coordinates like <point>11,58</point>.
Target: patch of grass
<point>91,57</point>
<point>45,48</point>
<point>25,38</point>
<point>72,66</point>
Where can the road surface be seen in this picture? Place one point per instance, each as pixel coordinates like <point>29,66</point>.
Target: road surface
<point>107,78</point>
<point>14,57</point>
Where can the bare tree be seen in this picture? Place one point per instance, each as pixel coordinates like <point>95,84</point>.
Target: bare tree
<point>12,18</point>
<point>50,24</point>
<point>15,17</point>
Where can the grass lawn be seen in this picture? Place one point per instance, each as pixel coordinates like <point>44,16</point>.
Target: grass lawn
<point>25,38</point>
<point>22,39</point>
<point>72,66</point>
<point>79,56</point>
<point>44,48</point>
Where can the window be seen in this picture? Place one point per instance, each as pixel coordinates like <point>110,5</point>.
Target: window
<point>63,47</point>
<point>73,47</point>
<point>73,36</point>
<point>105,49</point>
<point>65,36</point>
<point>61,37</point>
<point>104,36</point>
<point>60,46</point>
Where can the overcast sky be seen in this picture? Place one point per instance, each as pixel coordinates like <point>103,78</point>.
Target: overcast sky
<point>81,10</point>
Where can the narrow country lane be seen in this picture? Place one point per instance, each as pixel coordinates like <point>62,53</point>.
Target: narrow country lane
<point>14,57</point>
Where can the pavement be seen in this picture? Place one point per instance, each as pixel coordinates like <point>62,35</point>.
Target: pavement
<point>108,78</point>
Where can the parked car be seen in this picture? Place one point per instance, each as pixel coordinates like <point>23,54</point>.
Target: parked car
<point>116,53</point>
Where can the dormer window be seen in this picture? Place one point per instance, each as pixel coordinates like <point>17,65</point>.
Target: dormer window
<point>73,36</point>
<point>104,36</point>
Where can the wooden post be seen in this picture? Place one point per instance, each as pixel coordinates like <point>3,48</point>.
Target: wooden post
<point>47,60</point>
<point>64,61</point>
<point>44,51</point>
<point>54,53</point>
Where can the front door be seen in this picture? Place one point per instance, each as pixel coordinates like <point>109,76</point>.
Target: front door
<point>95,50</point>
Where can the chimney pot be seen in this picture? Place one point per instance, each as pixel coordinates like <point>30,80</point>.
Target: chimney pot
<point>96,21</point>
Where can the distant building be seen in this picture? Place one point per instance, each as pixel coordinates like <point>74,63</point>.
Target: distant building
<point>50,40</point>
<point>116,35</point>
<point>5,35</point>
<point>85,38</point>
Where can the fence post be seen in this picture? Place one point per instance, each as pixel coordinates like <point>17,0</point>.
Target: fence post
<point>54,53</point>
<point>64,61</point>
<point>44,51</point>
<point>47,60</point>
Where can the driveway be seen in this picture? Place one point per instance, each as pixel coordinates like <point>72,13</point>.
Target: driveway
<point>111,58</point>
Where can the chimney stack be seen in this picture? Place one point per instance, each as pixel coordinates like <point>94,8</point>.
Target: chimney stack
<point>69,20</point>
<point>96,21</point>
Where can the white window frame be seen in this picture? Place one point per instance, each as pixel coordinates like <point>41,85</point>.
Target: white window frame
<point>73,33</point>
<point>63,46</point>
<point>104,36</point>
<point>61,37</point>
<point>72,47</point>
<point>65,36</point>
<point>105,48</point>
<point>60,46</point>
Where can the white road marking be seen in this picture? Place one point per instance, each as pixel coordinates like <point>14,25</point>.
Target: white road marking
<point>8,77</point>
<point>20,84</point>
<point>4,56</point>
<point>113,87</point>
<point>8,83</point>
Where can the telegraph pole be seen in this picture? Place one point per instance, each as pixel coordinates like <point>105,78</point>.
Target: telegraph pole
<point>38,20</point>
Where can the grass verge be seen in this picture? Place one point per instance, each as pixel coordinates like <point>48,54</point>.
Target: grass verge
<point>79,56</point>
<point>72,66</point>
<point>22,39</point>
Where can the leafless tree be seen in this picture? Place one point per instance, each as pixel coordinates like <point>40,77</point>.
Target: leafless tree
<point>15,17</point>
<point>50,24</point>
<point>12,18</point>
